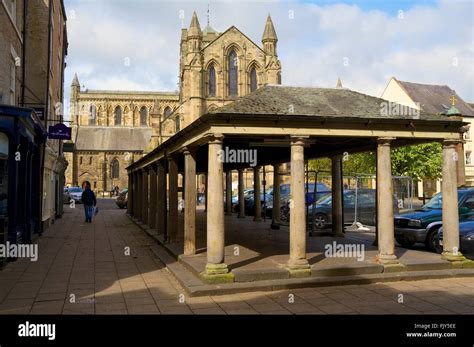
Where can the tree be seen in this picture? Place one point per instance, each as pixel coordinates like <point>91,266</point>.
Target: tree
<point>418,162</point>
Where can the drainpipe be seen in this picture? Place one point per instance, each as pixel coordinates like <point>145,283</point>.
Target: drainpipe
<point>23,60</point>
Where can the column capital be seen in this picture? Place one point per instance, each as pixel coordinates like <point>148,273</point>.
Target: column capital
<point>171,157</point>
<point>385,140</point>
<point>299,140</point>
<point>451,142</point>
<point>214,138</point>
<point>190,150</point>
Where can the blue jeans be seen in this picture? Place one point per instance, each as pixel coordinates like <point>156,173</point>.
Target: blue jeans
<point>88,210</point>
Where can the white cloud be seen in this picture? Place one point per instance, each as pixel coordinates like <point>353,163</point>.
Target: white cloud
<point>420,47</point>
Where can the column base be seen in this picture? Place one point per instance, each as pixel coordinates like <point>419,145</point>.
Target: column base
<point>275,226</point>
<point>338,234</point>
<point>217,273</point>
<point>257,219</point>
<point>298,268</point>
<point>386,259</point>
<point>450,256</point>
<point>240,216</point>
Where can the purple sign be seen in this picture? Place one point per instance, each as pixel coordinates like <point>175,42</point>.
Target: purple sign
<point>59,132</point>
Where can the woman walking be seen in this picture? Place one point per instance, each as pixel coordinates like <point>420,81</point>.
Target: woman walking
<point>89,201</point>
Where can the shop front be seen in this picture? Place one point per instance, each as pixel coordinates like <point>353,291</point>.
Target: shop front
<point>22,138</point>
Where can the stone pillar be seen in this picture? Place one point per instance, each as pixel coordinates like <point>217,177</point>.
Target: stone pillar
<point>241,194</point>
<point>153,196</point>
<point>461,164</point>
<point>276,196</point>
<point>298,264</point>
<point>130,194</point>
<point>228,193</point>
<point>145,196</point>
<point>216,269</point>
<point>205,192</point>
<point>139,195</point>
<point>161,199</point>
<point>450,203</point>
<point>172,221</point>
<point>337,199</point>
<point>190,201</point>
<point>385,226</point>
<point>256,195</point>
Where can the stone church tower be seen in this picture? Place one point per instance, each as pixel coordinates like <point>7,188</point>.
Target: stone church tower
<point>216,68</point>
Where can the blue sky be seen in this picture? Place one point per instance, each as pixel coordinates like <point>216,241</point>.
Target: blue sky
<point>362,42</point>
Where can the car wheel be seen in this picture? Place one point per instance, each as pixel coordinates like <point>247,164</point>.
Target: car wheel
<point>320,220</point>
<point>405,243</point>
<point>432,241</point>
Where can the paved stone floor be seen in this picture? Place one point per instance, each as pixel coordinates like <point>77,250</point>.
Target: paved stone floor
<point>90,264</point>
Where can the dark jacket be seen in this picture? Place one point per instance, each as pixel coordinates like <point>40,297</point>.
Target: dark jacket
<point>88,197</point>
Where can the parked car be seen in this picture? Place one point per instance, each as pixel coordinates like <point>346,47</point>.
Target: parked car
<point>75,193</point>
<point>66,197</point>
<point>285,190</point>
<point>422,225</point>
<point>365,200</point>
<point>122,199</point>
<point>466,237</point>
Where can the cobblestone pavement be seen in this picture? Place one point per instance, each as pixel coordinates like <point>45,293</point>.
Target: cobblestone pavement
<point>86,269</point>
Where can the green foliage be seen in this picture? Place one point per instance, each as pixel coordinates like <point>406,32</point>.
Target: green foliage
<point>420,161</point>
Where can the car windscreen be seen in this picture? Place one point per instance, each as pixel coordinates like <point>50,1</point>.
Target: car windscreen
<point>436,202</point>
<point>75,190</point>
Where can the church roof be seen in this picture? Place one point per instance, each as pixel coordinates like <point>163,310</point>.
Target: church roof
<point>316,102</point>
<point>127,139</point>
<point>269,32</point>
<point>435,98</point>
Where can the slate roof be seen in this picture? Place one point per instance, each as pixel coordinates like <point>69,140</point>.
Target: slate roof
<point>317,102</point>
<point>118,139</point>
<point>435,99</point>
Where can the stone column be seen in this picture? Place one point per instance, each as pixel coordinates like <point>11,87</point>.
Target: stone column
<point>139,195</point>
<point>461,163</point>
<point>190,201</point>
<point>216,269</point>
<point>385,227</point>
<point>276,196</point>
<point>205,192</point>
<point>172,221</point>
<point>153,196</point>
<point>241,194</point>
<point>298,264</point>
<point>450,203</point>
<point>337,199</point>
<point>161,199</point>
<point>256,195</point>
<point>228,194</point>
<point>130,194</point>
<point>145,196</point>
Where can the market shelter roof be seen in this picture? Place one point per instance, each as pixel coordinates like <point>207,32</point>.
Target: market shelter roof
<point>332,119</point>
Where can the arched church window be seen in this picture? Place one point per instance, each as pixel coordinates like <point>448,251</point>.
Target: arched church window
<point>115,169</point>
<point>167,112</point>
<point>233,74</point>
<point>92,115</point>
<point>212,81</point>
<point>118,116</point>
<point>253,79</point>
<point>143,116</point>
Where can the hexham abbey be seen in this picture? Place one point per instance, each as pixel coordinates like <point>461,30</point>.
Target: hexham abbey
<point>112,129</point>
